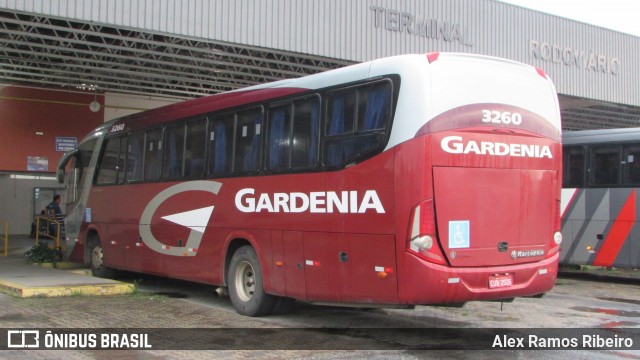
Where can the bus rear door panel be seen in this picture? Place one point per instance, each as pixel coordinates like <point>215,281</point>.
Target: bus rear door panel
<point>470,237</point>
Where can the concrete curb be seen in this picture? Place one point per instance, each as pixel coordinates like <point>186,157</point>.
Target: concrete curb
<point>22,291</point>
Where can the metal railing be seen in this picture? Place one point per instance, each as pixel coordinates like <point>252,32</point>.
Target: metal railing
<point>48,228</point>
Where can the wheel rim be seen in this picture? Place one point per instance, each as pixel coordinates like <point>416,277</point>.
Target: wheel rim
<point>96,257</point>
<point>245,281</point>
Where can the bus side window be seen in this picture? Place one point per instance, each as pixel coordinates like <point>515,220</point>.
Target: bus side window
<point>632,168</point>
<point>108,166</point>
<point>173,155</point>
<point>340,112</point>
<point>573,167</point>
<point>135,156</point>
<point>306,126</point>
<point>605,165</point>
<point>122,159</point>
<point>371,105</point>
<point>279,139</point>
<point>221,146</point>
<point>79,167</point>
<point>294,135</point>
<point>152,156</point>
<point>195,148</point>
<point>248,141</point>
<point>374,107</point>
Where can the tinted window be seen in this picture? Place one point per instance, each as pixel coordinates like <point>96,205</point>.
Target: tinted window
<point>347,140</point>
<point>605,165</point>
<point>135,156</point>
<point>153,155</point>
<point>79,167</point>
<point>221,145</point>
<point>109,163</point>
<point>195,148</point>
<point>279,143</point>
<point>248,141</point>
<point>374,106</point>
<point>632,165</point>
<point>294,135</point>
<point>341,112</point>
<point>574,167</point>
<point>306,126</point>
<point>173,160</point>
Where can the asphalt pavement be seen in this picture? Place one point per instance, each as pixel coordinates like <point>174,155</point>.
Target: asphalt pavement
<point>26,305</point>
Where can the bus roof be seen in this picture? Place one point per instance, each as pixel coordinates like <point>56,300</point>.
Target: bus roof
<point>600,136</point>
<point>404,65</point>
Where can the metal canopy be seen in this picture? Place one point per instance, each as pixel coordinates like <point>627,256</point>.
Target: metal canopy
<point>37,50</point>
<point>582,114</point>
<point>51,52</point>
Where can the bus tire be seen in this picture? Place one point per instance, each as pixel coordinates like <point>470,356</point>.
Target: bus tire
<point>96,260</point>
<point>246,284</point>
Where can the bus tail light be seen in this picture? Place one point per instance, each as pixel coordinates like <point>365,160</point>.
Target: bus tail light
<point>422,233</point>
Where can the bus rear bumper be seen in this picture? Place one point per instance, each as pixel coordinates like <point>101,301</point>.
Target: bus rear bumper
<point>431,284</point>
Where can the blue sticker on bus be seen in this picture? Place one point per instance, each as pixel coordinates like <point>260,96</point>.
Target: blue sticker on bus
<point>459,234</point>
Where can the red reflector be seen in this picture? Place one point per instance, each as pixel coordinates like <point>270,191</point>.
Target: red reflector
<point>541,72</point>
<point>433,57</point>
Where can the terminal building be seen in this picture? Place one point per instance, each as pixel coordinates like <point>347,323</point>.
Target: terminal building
<point>68,66</point>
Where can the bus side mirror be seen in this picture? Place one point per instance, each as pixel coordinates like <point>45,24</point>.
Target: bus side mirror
<point>60,176</point>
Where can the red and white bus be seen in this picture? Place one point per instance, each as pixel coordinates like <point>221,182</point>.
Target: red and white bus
<point>416,179</point>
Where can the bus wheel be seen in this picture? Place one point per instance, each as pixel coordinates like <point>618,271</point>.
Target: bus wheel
<point>96,260</point>
<point>245,284</point>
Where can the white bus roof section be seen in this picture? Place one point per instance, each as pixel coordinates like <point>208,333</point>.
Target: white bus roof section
<point>461,79</point>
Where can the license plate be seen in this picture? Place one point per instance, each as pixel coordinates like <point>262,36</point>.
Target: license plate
<point>500,281</point>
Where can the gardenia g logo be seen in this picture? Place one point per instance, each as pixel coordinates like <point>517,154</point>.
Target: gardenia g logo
<point>196,220</point>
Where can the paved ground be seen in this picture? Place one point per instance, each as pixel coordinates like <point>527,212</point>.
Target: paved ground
<point>161,304</point>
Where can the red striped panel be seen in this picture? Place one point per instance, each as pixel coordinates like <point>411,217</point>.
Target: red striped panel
<point>618,234</point>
